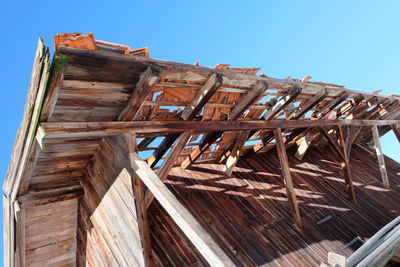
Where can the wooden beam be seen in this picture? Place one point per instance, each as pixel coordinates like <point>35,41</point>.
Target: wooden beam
<point>163,171</point>
<point>174,70</point>
<point>145,142</point>
<point>165,168</point>
<point>202,96</point>
<point>147,80</point>
<point>347,106</point>
<point>396,131</point>
<point>280,147</point>
<point>200,149</point>
<point>162,148</point>
<point>300,112</point>
<point>344,162</point>
<point>233,115</point>
<point>312,102</point>
<point>333,143</point>
<point>325,110</point>
<point>282,103</point>
<point>138,191</point>
<point>182,217</point>
<point>346,165</point>
<point>247,100</point>
<point>91,129</point>
<point>25,153</point>
<point>379,154</point>
<point>235,153</point>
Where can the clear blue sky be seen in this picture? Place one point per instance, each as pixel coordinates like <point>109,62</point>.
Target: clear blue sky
<point>353,43</point>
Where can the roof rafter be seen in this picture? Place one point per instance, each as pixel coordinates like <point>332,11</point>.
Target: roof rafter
<point>244,102</point>
<point>148,79</point>
<point>197,103</point>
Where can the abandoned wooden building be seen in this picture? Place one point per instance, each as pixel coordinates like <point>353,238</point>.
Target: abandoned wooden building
<point>125,160</point>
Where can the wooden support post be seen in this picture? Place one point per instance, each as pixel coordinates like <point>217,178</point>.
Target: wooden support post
<point>346,164</point>
<point>147,80</point>
<point>163,171</point>
<point>379,154</point>
<point>280,147</point>
<point>235,153</point>
<point>182,217</point>
<point>141,208</point>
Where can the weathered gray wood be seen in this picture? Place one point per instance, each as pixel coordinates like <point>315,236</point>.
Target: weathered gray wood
<point>180,71</point>
<point>92,129</point>
<point>147,80</point>
<point>280,147</point>
<point>8,233</point>
<point>20,232</point>
<point>138,189</point>
<point>26,133</point>
<point>379,154</point>
<point>182,217</point>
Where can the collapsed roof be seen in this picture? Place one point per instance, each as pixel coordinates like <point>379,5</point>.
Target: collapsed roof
<point>181,114</point>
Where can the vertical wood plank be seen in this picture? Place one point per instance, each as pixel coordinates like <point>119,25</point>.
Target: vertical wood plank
<point>379,154</point>
<point>138,190</point>
<point>280,147</point>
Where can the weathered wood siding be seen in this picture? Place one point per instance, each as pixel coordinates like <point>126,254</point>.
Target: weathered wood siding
<point>50,234</point>
<point>108,232</point>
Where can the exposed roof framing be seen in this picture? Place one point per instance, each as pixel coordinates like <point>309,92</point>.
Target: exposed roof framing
<point>95,91</point>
